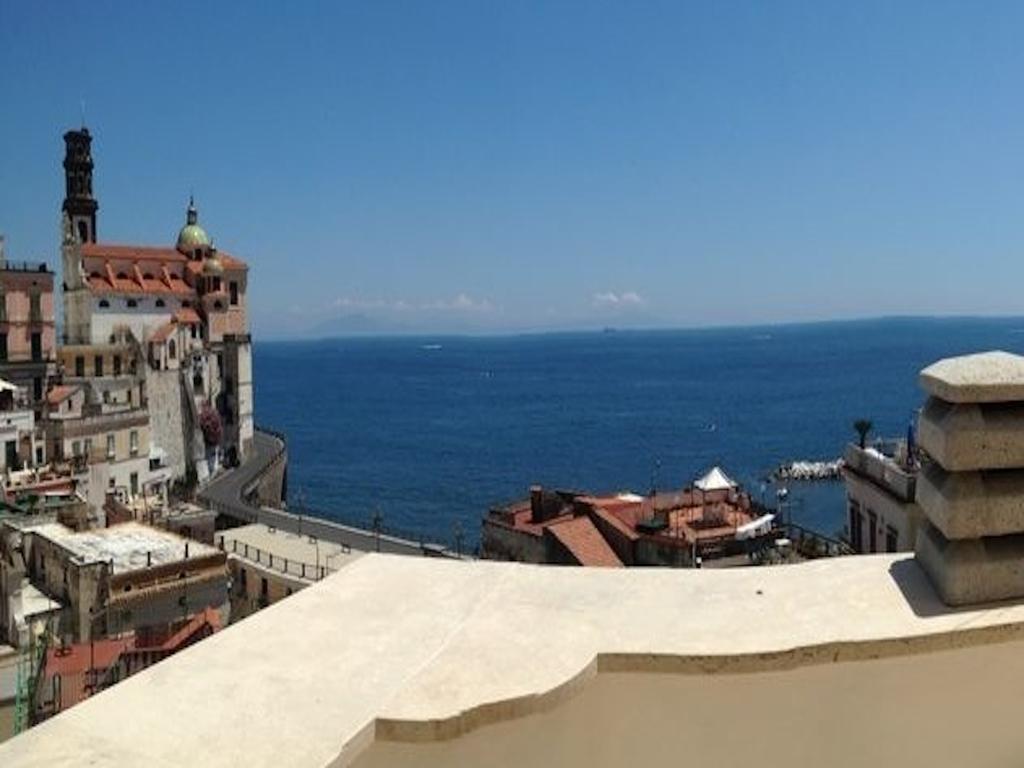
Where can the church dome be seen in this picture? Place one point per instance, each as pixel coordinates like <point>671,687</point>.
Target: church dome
<point>212,265</point>
<point>192,236</point>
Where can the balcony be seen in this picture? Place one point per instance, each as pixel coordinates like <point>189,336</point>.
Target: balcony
<point>414,661</point>
<point>882,469</point>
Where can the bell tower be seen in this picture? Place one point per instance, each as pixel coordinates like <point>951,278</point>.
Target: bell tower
<point>79,204</point>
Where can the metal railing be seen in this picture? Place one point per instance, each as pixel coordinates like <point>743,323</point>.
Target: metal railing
<point>284,565</point>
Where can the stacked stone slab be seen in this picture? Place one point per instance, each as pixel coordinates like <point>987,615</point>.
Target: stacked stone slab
<point>972,492</point>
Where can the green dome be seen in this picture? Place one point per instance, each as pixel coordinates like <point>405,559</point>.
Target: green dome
<point>192,236</point>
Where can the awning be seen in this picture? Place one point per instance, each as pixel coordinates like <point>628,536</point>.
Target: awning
<point>755,528</point>
<point>715,480</point>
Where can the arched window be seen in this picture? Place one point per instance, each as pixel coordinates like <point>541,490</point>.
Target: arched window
<point>132,303</point>
<point>160,302</point>
<point>171,350</point>
<point>104,304</point>
<point>83,232</point>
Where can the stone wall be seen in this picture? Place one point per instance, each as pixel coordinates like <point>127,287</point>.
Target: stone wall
<point>166,418</point>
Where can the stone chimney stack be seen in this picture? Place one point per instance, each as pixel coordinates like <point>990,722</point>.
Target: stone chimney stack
<point>971,543</point>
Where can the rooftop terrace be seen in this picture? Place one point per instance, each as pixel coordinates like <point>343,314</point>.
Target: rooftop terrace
<point>128,545</point>
<point>403,649</point>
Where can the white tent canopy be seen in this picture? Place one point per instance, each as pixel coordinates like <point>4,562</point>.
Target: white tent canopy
<point>715,480</point>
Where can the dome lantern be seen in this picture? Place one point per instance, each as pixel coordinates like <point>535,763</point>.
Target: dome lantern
<point>192,237</point>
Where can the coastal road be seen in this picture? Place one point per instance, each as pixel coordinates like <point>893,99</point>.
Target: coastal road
<point>226,492</point>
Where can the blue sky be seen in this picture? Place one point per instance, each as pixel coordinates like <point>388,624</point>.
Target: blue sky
<point>514,166</point>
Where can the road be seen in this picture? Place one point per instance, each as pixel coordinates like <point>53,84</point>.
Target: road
<point>225,494</point>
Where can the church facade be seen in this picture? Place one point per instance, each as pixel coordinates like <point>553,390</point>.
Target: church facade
<point>180,308</point>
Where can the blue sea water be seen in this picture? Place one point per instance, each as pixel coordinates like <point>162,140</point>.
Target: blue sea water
<point>433,431</point>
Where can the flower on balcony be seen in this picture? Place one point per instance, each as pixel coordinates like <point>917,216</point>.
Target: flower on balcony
<point>209,422</point>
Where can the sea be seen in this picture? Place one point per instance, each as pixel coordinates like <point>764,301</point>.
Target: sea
<point>426,433</point>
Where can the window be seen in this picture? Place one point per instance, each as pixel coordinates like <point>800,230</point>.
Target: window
<point>132,303</point>
<point>160,303</point>
<point>218,304</point>
<point>37,388</point>
<point>98,365</point>
<point>88,446</point>
<point>133,483</point>
<point>856,540</point>
<point>133,442</point>
<point>171,349</point>
<point>872,532</point>
<point>35,308</point>
<point>3,346</point>
<point>216,283</point>
<point>104,304</point>
<point>185,303</point>
<point>890,539</point>
<point>264,588</point>
<point>80,366</point>
<point>76,448</point>
<point>37,346</point>
<point>233,287</point>
<point>110,448</point>
<point>241,579</point>
<point>117,365</point>
<point>3,307</point>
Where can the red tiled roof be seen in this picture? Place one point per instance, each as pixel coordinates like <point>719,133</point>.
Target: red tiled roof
<point>80,657</point>
<point>187,316</point>
<point>61,393</point>
<point>131,252</point>
<point>163,332</point>
<point>585,543</point>
<point>110,284</point>
<point>616,523</point>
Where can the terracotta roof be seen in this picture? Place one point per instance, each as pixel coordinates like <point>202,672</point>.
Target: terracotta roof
<point>79,657</point>
<point>585,543</point>
<point>61,393</point>
<point>174,285</point>
<point>131,252</point>
<point>616,523</point>
<point>163,332</point>
<point>187,316</point>
<point>227,261</point>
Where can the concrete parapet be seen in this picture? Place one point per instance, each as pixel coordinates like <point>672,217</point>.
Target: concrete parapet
<point>968,505</point>
<point>972,495</point>
<point>968,571</point>
<point>969,436</point>
<point>987,377</point>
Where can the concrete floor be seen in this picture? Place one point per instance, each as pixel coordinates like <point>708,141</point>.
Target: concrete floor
<point>946,708</point>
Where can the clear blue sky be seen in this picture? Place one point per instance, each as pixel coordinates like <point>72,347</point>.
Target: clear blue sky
<point>498,166</point>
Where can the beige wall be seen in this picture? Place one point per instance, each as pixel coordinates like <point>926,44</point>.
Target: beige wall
<point>17,287</point>
<point>890,511</point>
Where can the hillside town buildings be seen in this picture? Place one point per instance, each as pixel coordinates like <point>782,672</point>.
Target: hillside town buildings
<point>710,520</point>
<point>106,436</point>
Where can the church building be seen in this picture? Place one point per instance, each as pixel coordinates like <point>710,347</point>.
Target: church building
<point>182,305</point>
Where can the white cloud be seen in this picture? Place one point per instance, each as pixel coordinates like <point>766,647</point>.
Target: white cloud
<point>612,299</point>
<point>460,303</point>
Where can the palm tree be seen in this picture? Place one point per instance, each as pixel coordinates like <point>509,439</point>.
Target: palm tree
<point>863,426</point>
